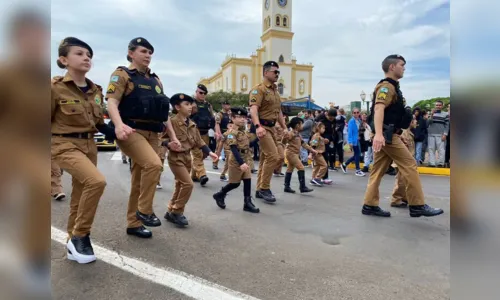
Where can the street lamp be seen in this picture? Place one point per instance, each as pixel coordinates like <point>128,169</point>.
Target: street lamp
<point>363,99</point>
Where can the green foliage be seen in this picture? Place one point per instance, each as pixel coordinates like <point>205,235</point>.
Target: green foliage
<point>236,99</point>
<point>429,103</point>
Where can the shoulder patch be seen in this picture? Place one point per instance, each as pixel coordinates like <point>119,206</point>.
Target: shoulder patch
<point>115,78</point>
<point>111,89</point>
<point>230,136</point>
<point>255,92</point>
<point>384,90</point>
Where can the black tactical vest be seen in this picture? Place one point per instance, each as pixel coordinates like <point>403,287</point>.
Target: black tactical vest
<point>203,118</point>
<point>146,102</point>
<point>224,122</point>
<point>395,114</point>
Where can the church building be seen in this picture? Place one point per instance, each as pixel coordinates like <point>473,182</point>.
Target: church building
<point>239,75</point>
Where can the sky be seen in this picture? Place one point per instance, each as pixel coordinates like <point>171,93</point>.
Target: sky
<point>344,40</point>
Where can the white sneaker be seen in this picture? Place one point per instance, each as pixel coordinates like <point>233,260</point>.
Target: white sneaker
<point>360,173</point>
<point>59,196</point>
<point>326,181</point>
<point>315,182</point>
<point>85,254</point>
<point>158,186</point>
<point>344,168</point>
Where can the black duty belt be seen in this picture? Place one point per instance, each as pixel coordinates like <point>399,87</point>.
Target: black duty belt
<point>145,125</point>
<point>76,135</point>
<point>398,131</point>
<point>267,123</point>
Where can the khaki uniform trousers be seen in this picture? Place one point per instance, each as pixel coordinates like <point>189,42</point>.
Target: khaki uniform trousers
<point>180,164</point>
<point>198,168</point>
<point>235,173</point>
<point>399,153</point>
<point>79,158</point>
<point>281,157</point>
<point>320,167</point>
<point>251,162</point>
<point>55,179</point>
<point>399,191</point>
<point>142,147</point>
<point>227,154</point>
<point>268,159</point>
<point>294,162</point>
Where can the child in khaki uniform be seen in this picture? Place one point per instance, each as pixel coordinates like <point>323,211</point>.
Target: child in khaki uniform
<point>239,143</point>
<point>399,198</point>
<point>293,142</point>
<point>320,167</point>
<point>227,151</point>
<point>179,160</point>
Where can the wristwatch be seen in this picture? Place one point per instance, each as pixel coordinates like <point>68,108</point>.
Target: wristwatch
<point>257,125</point>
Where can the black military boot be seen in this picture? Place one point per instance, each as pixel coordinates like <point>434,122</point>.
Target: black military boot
<point>249,206</point>
<point>148,220</point>
<point>178,219</point>
<point>302,181</point>
<point>288,178</point>
<point>203,180</point>
<point>219,198</point>
<point>374,211</point>
<point>424,211</point>
<point>140,231</point>
<point>268,196</point>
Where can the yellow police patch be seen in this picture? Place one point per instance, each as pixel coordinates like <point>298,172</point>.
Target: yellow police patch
<point>253,100</point>
<point>157,89</point>
<point>111,88</point>
<point>381,96</point>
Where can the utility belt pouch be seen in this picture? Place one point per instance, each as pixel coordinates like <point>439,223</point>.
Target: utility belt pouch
<point>388,131</point>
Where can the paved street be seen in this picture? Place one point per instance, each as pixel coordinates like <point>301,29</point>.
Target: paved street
<point>313,246</point>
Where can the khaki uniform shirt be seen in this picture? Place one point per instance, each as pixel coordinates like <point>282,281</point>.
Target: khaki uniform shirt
<point>294,141</point>
<point>266,96</point>
<point>187,133</point>
<point>120,84</point>
<point>240,139</point>
<point>385,94</point>
<point>73,111</point>
<point>319,142</point>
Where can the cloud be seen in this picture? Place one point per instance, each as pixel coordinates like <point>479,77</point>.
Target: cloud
<point>346,41</point>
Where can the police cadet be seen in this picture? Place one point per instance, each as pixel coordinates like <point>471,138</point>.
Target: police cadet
<point>239,170</point>
<point>77,113</point>
<point>203,117</point>
<point>223,144</point>
<point>139,109</point>
<point>179,160</point>
<point>222,119</point>
<point>265,109</point>
<point>390,117</point>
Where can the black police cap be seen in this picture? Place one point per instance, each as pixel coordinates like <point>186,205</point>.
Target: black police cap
<point>271,64</point>
<point>239,111</point>
<point>72,41</point>
<point>203,88</point>
<point>180,97</point>
<point>140,41</point>
<point>226,102</point>
<point>396,56</point>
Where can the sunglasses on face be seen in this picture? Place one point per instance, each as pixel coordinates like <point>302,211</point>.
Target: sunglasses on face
<point>277,72</point>
<point>202,93</point>
<point>356,113</point>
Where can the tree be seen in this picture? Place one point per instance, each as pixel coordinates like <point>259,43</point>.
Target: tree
<point>429,103</point>
<point>235,99</point>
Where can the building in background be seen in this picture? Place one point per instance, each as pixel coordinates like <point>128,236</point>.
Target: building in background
<point>239,75</point>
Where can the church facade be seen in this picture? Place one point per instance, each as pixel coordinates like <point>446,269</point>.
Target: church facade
<point>239,75</point>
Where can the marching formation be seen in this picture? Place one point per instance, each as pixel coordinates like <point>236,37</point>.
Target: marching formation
<point>150,127</point>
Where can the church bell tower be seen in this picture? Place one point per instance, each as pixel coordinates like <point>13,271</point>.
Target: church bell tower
<point>277,32</point>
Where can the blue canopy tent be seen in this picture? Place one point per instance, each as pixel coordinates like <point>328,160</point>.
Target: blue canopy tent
<point>296,105</point>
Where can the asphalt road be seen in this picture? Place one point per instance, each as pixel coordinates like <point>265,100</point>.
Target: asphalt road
<point>312,246</point>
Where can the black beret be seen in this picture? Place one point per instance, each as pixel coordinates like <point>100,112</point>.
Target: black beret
<point>72,41</point>
<point>271,64</point>
<point>226,102</point>
<point>141,42</point>
<point>180,97</point>
<point>332,112</point>
<point>202,87</point>
<point>396,56</point>
<point>294,121</point>
<point>239,111</point>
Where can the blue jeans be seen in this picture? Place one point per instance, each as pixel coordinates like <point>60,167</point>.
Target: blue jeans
<point>418,151</point>
<point>355,157</point>
<point>303,152</point>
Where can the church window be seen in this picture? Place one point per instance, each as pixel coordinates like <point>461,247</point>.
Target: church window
<point>280,88</point>
<point>285,21</point>
<point>268,22</point>
<point>278,21</point>
<point>281,59</point>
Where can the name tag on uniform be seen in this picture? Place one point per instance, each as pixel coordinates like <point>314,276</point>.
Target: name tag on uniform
<point>63,102</point>
<point>146,87</point>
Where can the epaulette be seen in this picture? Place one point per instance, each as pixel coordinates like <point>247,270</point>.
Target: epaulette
<point>57,79</point>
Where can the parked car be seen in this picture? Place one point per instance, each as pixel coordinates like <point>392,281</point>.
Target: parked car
<point>101,142</point>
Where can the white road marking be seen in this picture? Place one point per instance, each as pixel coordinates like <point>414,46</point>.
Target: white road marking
<point>189,285</point>
<point>117,156</point>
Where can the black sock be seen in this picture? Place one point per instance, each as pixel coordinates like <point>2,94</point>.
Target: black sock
<point>247,186</point>
<point>229,187</point>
